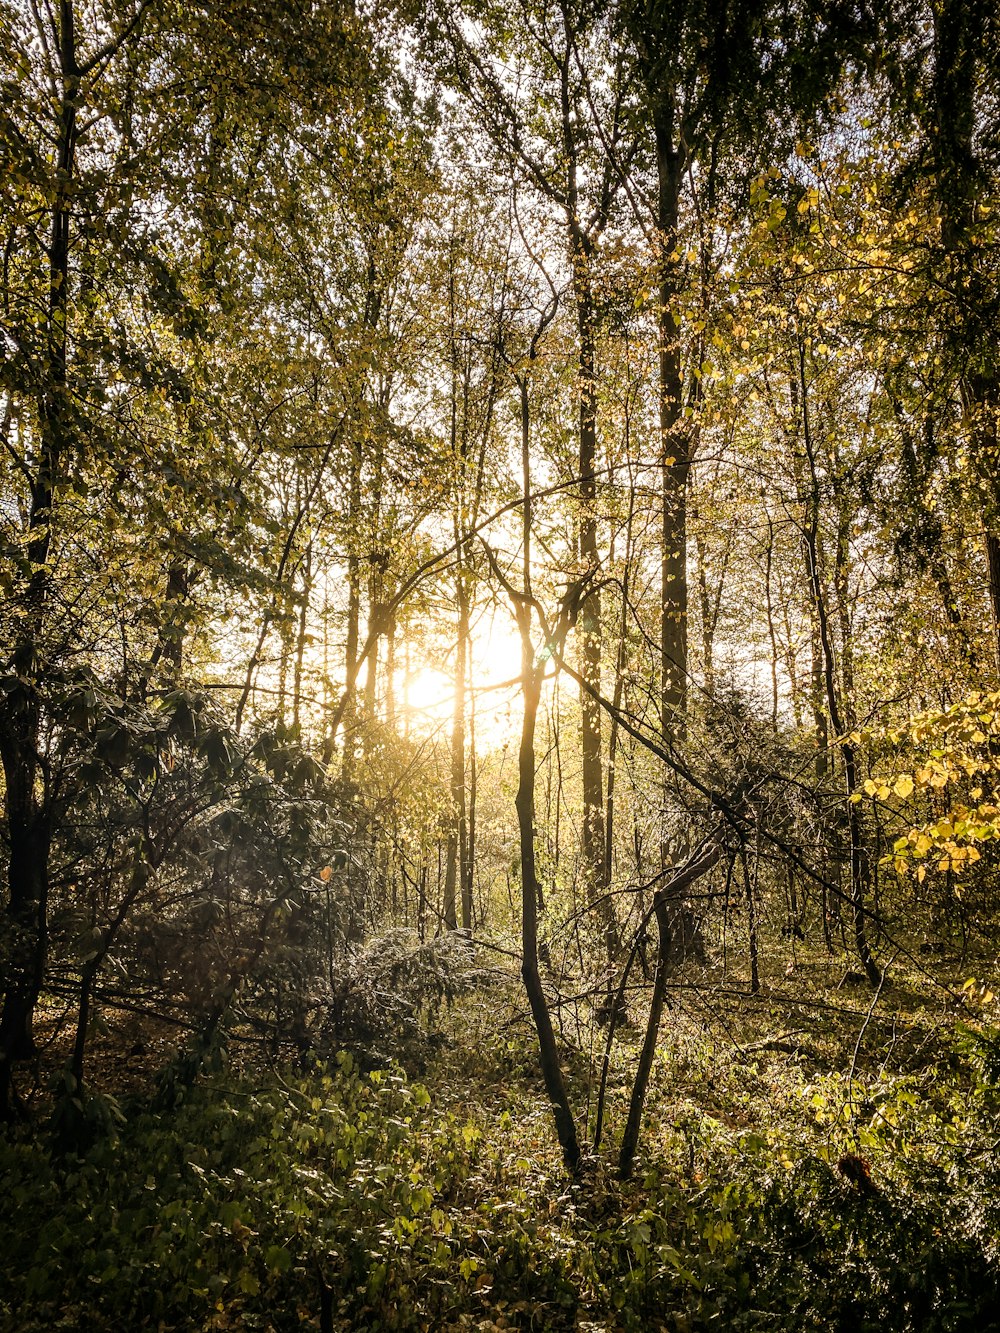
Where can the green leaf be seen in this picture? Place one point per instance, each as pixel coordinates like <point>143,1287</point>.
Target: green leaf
<point>277,1259</point>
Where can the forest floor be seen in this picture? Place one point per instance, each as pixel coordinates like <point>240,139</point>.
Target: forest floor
<point>814,1156</point>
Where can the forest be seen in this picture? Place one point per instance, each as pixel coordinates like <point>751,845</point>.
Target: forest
<point>500,664</point>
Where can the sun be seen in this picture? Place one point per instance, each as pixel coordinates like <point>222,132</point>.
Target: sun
<point>425,694</point>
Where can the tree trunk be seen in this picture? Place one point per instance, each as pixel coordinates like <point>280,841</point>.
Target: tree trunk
<point>468,912</point>
<point>26,923</point>
<point>589,625</point>
<point>860,866</point>
<point>749,893</point>
<point>532,676</point>
<point>708,617</point>
<point>771,633</point>
<point>811,557</point>
<point>664,895</point>
<point>27,810</point>
<point>953,112</point>
<point>456,873</point>
<point>552,1076</point>
<point>300,640</point>
<point>674,444</point>
<point>169,647</point>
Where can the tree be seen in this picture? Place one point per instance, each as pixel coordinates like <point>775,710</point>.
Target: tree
<point>546,125</point>
<point>122,288</point>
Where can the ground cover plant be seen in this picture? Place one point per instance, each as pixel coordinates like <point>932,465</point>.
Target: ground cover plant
<point>779,1185</point>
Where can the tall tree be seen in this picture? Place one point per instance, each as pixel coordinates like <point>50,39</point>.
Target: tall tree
<point>544,122</point>
<point>125,146</point>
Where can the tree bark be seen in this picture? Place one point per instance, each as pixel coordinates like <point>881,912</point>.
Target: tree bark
<point>953,112</point>
<point>27,809</point>
<point>674,444</point>
<point>860,865</point>
<point>589,625</point>
<point>457,869</point>
<point>552,1076</point>
<point>664,895</point>
<point>532,675</point>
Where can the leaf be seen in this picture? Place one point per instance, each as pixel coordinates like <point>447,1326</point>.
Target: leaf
<point>248,1283</point>
<point>277,1259</point>
<point>903,786</point>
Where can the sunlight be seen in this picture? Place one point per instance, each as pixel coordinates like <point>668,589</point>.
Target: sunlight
<point>425,693</point>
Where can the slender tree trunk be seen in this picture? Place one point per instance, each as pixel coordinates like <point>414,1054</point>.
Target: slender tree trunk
<point>552,1074</point>
<point>842,591</point>
<point>27,809</point>
<point>589,624</point>
<point>458,880</point>
<point>456,875</point>
<point>707,616</point>
<point>674,443</point>
<point>812,557</point>
<point>613,1004</point>
<point>300,638</point>
<point>792,658</point>
<point>749,893</point>
<point>619,687</point>
<point>675,465</point>
<point>468,868</point>
<point>284,653</point>
<point>953,111</point>
<point>353,636</point>
<point>371,677</point>
<point>663,897</point>
<point>633,1124</point>
<point>860,866</point>
<point>532,675</point>
<point>390,673</point>
<point>771,633</point>
<point>169,646</point>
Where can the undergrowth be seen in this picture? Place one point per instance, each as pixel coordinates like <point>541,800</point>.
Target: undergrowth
<point>767,1197</point>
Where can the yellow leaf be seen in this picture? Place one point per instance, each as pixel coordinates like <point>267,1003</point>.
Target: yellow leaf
<point>903,786</point>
